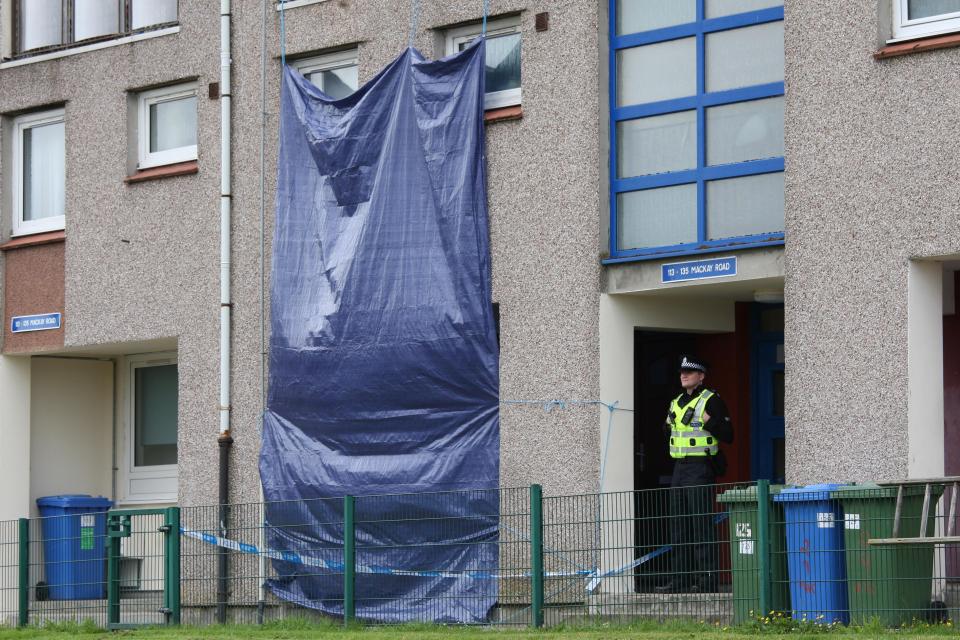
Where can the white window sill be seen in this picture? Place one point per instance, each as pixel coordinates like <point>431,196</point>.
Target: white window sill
<point>501,99</point>
<point>48,225</point>
<point>925,34</point>
<point>147,35</point>
<point>293,4</point>
<point>153,503</point>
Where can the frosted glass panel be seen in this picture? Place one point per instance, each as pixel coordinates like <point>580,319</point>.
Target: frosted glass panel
<point>745,206</point>
<point>336,83</point>
<point>745,131</point>
<point>94,18</point>
<point>745,57</point>
<point>43,171</point>
<point>917,9</point>
<point>717,8</point>
<point>661,71</point>
<point>41,24</point>
<point>155,416</point>
<point>502,62</point>
<point>146,13</point>
<point>657,144</point>
<point>643,15</point>
<point>173,124</point>
<point>657,217</point>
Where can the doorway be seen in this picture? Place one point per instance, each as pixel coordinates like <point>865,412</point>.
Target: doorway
<point>747,370</point>
<point>656,382</point>
<point>767,457</point>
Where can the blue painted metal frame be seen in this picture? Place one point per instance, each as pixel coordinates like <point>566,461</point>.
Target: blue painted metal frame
<point>764,427</point>
<point>700,102</point>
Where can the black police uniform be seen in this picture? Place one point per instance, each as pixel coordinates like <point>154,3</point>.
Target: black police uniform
<point>694,554</point>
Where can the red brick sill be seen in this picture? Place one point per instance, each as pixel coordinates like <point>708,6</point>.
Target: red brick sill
<point>918,46</point>
<point>166,171</point>
<point>34,240</point>
<point>503,114</point>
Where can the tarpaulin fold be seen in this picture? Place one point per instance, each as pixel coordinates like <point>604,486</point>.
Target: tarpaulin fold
<point>383,357</point>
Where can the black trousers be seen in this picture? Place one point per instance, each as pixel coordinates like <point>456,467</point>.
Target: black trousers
<point>692,531</point>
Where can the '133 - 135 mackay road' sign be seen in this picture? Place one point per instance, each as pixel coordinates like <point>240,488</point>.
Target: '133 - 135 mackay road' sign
<point>699,269</point>
<point>39,322</point>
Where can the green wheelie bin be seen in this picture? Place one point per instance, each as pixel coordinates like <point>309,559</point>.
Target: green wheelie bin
<point>890,583</point>
<point>742,507</point>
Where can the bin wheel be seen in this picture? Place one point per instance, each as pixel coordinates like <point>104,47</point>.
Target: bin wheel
<point>938,612</point>
<point>43,591</point>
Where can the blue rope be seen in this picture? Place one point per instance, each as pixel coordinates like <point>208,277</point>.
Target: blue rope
<point>283,37</point>
<point>414,18</point>
<point>550,405</point>
<point>486,10</point>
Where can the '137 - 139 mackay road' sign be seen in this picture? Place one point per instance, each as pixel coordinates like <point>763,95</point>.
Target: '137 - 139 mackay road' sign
<point>39,322</point>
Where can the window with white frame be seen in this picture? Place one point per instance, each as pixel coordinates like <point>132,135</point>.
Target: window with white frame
<point>333,73</point>
<point>38,172</point>
<point>167,125</point>
<point>918,18</point>
<point>151,429</point>
<point>44,25</point>
<point>503,58</point>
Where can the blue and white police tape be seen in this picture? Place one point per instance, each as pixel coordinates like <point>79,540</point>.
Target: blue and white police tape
<point>289,556</point>
<point>296,558</point>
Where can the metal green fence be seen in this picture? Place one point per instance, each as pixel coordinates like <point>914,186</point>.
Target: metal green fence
<point>727,554</point>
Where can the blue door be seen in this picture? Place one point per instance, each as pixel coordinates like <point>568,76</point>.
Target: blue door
<point>767,459</point>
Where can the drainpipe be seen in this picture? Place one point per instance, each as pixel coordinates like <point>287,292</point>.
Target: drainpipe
<point>226,209</point>
<point>261,542</point>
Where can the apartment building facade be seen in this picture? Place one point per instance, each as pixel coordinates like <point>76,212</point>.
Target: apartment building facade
<point>728,177</point>
<point>111,190</point>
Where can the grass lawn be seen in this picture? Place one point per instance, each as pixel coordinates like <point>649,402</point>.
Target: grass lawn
<point>296,630</point>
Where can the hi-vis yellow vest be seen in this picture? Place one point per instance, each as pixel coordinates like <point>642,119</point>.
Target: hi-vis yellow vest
<point>689,440</point>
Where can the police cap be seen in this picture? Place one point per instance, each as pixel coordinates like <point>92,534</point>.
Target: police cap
<point>693,363</point>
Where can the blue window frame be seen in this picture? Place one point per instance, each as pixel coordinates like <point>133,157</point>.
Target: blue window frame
<point>684,197</point>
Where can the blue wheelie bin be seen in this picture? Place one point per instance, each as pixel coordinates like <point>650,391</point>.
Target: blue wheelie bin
<point>74,531</point>
<point>815,553</point>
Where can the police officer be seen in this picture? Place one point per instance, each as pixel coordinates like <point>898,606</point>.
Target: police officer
<point>696,422</point>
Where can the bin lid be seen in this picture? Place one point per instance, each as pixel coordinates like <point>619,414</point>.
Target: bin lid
<point>809,493</point>
<point>870,490</point>
<point>75,500</point>
<point>747,494</point>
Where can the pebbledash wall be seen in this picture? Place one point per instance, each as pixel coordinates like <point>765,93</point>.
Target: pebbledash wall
<point>543,193</point>
<point>873,228</point>
<point>871,219</point>
<point>141,260</point>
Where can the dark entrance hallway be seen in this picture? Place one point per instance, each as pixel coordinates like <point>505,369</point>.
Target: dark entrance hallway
<point>746,369</point>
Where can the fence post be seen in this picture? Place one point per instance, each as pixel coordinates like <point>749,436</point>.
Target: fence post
<point>763,544</point>
<point>349,561</point>
<point>536,554</point>
<point>23,581</point>
<point>114,528</point>
<point>173,564</point>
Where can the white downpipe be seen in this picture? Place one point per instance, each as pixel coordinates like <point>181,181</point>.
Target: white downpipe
<point>226,210</point>
<point>261,537</point>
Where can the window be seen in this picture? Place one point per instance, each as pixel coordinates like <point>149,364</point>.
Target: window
<point>697,126</point>
<point>918,18</point>
<point>39,170</point>
<point>503,58</point>
<point>151,430</point>
<point>167,125</point>
<point>43,25</point>
<point>282,5</point>
<point>333,73</point>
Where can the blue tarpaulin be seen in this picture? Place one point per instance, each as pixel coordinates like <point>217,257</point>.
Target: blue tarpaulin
<point>383,356</point>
